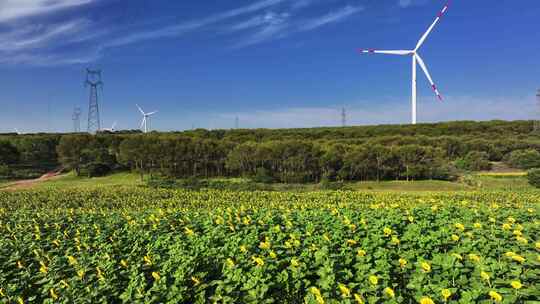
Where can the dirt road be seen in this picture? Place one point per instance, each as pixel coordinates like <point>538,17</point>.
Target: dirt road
<point>26,184</point>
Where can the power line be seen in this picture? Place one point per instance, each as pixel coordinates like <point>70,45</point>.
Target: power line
<point>93,79</point>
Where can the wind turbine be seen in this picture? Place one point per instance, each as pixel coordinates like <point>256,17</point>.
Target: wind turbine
<point>146,118</point>
<point>416,59</point>
<point>112,129</point>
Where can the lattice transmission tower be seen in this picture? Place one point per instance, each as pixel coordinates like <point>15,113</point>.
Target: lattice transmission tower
<point>93,80</point>
<point>76,120</point>
<point>537,118</point>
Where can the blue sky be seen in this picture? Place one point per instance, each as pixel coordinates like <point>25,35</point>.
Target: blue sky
<point>272,63</point>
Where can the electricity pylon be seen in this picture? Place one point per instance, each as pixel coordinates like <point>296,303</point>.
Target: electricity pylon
<point>536,127</point>
<point>76,120</point>
<point>93,80</point>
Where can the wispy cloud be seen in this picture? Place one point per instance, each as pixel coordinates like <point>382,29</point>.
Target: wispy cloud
<point>182,28</point>
<point>23,38</point>
<point>266,27</point>
<point>332,17</point>
<point>28,36</point>
<point>34,41</point>
<point>409,3</point>
<point>51,59</point>
<point>36,36</point>
<point>388,111</point>
<point>14,9</point>
<point>259,20</point>
<point>273,26</point>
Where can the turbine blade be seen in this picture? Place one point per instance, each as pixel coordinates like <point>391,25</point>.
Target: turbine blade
<point>398,52</point>
<point>140,110</point>
<point>426,34</point>
<point>425,69</point>
<point>151,113</point>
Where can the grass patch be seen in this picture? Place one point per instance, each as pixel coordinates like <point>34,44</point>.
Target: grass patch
<point>509,183</point>
<point>503,174</point>
<point>482,182</point>
<point>409,186</point>
<point>70,181</point>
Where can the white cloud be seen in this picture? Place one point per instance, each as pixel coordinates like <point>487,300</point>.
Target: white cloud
<point>409,3</point>
<point>29,41</point>
<point>182,28</point>
<point>332,17</point>
<point>389,112</point>
<point>50,59</point>
<point>14,9</point>
<point>269,26</point>
<point>259,20</point>
<point>36,36</point>
<point>274,26</point>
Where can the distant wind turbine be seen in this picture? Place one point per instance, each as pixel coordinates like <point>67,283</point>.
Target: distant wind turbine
<point>146,118</point>
<point>112,129</point>
<point>416,59</point>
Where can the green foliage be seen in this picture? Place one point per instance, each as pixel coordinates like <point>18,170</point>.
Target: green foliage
<point>327,184</point>
<point>9,156</point>
<point>263,175</point>
<point>95,169</point>
<point>8,153</point>
<point>524,159</point>
<point>386,152</point>
<point>70,151</point>
<point>474,161</point>
<point>533,176</point>
<point>5,172</point>
<point>138,245</point>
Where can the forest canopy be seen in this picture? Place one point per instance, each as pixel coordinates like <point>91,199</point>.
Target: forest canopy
<point>386,152</point>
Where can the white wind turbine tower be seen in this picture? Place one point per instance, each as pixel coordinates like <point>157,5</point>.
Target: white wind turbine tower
<point>146,118</point>
<point>416,59</point>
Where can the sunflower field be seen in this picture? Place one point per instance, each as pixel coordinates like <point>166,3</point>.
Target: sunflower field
<point>118,245</point>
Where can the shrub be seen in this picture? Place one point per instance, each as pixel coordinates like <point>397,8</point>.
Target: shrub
<point>263,176</point>
<point>533,175</point>
<point>327,184</point>
<point>474,161</point>
<point>96,170</point>
<point>162,183</point>
<point>524,159</point>
<point>443,171</point>
<point>5,171</point>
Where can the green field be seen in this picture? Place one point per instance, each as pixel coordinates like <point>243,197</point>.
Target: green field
<point>482,182</point>
<point>106,240</point>
<point>71,181</point>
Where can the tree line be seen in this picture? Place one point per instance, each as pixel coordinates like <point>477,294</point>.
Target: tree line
<point>431,151</point>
